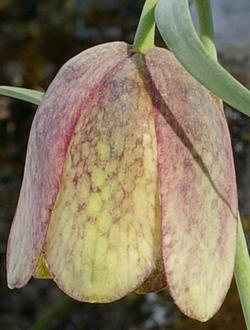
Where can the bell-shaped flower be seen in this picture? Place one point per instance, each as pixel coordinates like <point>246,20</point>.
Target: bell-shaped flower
<point>129,183</point>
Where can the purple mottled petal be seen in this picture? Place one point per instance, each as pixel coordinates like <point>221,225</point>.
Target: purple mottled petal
<point>51,131</point>
<point>197,188</point>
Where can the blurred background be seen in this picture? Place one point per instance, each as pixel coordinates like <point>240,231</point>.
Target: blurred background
<point>36,38</point>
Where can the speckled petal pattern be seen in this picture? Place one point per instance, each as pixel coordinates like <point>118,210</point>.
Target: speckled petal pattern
<point>104,234</point>
<point>50,134</point>
<point>197,188</point>
<point>129,184</point>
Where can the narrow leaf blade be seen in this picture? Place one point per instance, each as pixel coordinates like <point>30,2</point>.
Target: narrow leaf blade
<point>23,94</point>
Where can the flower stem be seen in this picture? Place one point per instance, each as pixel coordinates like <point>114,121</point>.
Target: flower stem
<point>242,263</point>
<point>145,33</point>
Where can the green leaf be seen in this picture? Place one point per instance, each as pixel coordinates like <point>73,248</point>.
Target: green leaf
<point>24,94</point>
<point>175,24</point>
<point>145,33</point>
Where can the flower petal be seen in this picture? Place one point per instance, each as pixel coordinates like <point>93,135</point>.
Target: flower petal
<point>50,134</point>
<point>197,188</point>
<point>104,235</point>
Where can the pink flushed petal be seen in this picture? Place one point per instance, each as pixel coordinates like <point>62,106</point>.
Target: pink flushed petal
<point>197,188</point>
<point>50,134</point>
<point>103,239</point>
